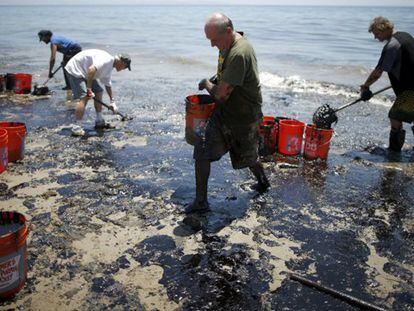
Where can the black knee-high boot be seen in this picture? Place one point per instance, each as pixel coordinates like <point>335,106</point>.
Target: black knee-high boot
<point>262,181</point>
<point>397,139</point>
<point>67,84</point>
<point>202,173</point>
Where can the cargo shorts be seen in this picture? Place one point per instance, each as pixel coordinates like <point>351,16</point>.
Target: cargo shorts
<point>242,141</point>
<point>403,107</point>
<point>78,86</point>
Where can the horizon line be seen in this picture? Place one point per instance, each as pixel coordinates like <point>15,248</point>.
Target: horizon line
<point>212,4</point>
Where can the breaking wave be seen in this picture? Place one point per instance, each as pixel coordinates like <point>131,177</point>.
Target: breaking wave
<point>297,84</point>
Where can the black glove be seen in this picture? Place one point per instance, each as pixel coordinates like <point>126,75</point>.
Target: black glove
<point>202,84</point>
<point>50,75</point>
<point>366,94</point>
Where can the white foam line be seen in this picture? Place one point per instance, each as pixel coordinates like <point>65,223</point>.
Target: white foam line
<point>297,84</point>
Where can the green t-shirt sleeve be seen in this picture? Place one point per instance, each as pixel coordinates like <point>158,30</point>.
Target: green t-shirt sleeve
<point>235,71</point>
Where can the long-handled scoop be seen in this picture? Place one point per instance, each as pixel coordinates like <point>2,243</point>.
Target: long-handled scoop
<point>363,305</point>
<point>123,117</point>
<point>53,74</point>
<point>43,89</point>
<point>324,116</point>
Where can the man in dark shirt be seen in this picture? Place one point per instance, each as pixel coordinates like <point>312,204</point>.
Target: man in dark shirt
<point>397,59</point>
<point>234,124</point>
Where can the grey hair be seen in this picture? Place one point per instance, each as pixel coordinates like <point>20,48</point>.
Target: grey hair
<point>220,21</point>
<point>381,23</point>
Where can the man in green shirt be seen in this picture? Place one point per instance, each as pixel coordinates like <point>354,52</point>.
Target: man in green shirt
<point>234,124</point>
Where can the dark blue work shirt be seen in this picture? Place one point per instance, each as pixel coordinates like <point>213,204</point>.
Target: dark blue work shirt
<point>64,45</point>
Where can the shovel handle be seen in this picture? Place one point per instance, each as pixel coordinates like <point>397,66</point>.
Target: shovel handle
<point>109,107</point>
<point>340,295</point>
<point>53,74</point>
<point>359,99</point>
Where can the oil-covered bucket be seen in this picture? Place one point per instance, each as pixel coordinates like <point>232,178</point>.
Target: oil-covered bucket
<point>13,253</point>
<point>198,110</point>
<point>317,142</point>
<point>268,131</point>
<point>16,139</point>
<point>10,81</point>
<point>2,83</point>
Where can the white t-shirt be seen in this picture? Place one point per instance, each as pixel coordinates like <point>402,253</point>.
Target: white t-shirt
<point>103,62</point>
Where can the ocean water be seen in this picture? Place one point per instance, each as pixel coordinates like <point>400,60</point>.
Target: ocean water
<point>308,56</point>
<point>330,43</point>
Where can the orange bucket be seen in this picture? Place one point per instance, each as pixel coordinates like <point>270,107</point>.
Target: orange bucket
<point>290,137</point>
<point>268,130</point>
<point>198,110</point>
<point>4,158</point>
<point>317,142</point>
<point>13,253</point>
<point>23,83</point>
<point>16,135</point>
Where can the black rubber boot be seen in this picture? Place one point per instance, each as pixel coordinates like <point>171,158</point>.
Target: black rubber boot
<point>397,139</point>
<point>67,86</point>
<point>202,173</point>
<point>262,182</point>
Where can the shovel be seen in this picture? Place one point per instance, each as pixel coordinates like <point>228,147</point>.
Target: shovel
<point>53,74</point>
<point>43,89</point>
<point>361,304</point>
<point>324,116</point>
<point>123,117</point>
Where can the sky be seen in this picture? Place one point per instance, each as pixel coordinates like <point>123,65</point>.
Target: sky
<point>213,2</point>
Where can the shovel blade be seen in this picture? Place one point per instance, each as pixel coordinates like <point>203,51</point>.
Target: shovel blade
<point>324,117</point>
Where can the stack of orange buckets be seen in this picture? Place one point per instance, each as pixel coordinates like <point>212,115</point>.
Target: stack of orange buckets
<point>19,83</point>
<point>285,136</point>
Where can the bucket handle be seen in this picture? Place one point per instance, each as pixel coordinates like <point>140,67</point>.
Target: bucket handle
<point>20,136</point>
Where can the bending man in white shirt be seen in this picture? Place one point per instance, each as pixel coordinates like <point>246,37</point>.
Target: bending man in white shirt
<point>84,69</point>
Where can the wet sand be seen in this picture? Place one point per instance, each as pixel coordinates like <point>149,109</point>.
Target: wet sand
<point>108,228</point>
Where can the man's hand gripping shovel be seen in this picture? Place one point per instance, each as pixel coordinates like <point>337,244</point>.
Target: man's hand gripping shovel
<point>123,117</point>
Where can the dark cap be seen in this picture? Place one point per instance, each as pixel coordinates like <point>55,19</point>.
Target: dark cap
<point>126,59</point>
<point>44,33</point>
